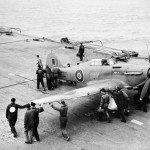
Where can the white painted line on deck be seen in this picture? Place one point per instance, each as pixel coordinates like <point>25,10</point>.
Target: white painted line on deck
<point>137,122</point>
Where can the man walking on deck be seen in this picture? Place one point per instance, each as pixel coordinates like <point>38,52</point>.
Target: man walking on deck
<point>12,114</point>
<point>31,122</point>
<point>36,119</point>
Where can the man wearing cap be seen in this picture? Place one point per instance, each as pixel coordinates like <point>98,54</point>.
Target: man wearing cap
<point>12,113</point>
<point>36,119</point>
<point>63,118</point>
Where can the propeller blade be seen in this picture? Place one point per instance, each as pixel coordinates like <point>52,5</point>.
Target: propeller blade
<point>145,89</point>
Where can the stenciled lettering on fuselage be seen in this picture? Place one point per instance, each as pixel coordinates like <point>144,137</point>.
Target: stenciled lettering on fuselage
<point>79,75</point>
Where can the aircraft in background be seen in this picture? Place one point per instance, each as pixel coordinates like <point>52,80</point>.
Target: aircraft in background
<point>97,74</point>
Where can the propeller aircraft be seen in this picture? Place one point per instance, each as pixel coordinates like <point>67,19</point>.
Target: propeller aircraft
<point>97,74</point>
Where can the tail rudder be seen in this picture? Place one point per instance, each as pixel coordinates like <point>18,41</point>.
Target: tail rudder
<point>52,60</point>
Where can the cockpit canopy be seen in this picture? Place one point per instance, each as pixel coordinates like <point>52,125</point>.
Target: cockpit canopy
<point>102,62</point>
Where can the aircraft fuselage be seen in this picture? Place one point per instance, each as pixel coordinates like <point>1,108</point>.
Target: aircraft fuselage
<point>128,73</point>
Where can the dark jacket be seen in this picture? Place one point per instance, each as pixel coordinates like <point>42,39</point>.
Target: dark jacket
<point>81,49</point>
<point>31,118</point>
<point>119,98</point>
<point>39,73</point>
<point>63,110</point>
<point>12,111</point>
<point>48,73</point>
<point>36,113</point>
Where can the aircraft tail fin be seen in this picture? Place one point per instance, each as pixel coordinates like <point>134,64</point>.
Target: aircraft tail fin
<point>52,60</point>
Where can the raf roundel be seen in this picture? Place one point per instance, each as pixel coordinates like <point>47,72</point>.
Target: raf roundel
<point>79,75</point>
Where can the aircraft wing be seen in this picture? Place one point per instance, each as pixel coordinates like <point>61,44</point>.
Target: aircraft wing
<point>92,88</point>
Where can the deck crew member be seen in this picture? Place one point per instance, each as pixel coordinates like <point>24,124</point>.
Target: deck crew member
<point>39,61</point>
<point>81,52</point>
<point>31,121</point>
<point>104,104</point>
<point>49,78</point>
<point>63,118</point>
<point>28,125</point>
<point>40,74</point>
<point>55,72</point>
<point>36,119</point>
<point>120,100</point>
<point>127,101</point>
<point>12,114</point>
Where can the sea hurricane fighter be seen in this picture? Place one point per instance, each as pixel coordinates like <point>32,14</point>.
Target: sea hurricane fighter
<point>97,74</point>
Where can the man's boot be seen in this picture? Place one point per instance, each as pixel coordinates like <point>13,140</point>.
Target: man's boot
<point>26,136</point>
